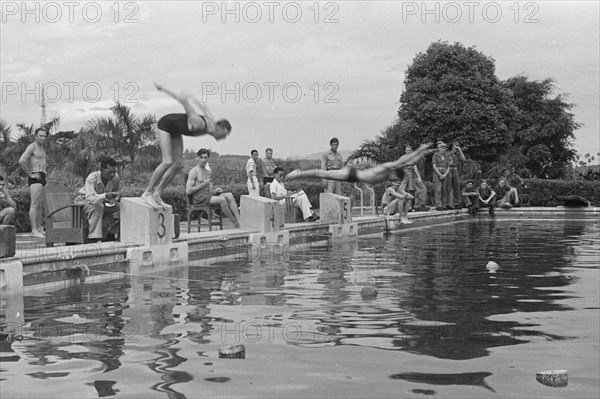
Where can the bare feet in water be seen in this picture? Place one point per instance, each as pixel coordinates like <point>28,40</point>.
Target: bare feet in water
<point>149,198</point>
<point>37,234</point>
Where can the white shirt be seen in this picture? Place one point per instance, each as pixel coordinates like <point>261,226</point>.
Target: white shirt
<point>251,167</point>
<point>278,189</point>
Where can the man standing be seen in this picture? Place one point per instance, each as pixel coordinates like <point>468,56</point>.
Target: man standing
<point>199,185</point>
<point>279,193</point>
<point>414,183</point>
<point>332,160</point>
<point>455,156</point>
<point>440,172</point>
<point>7,205</point>
<point>33,162</point>
<point>268,165</point>
<point>252,183</point>
<point>101,199</point>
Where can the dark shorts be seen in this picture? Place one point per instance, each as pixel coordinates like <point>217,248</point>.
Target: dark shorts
<point>41,180</point>
<point>177,125</point>
<point>202,199</point>
<point>352,175</point>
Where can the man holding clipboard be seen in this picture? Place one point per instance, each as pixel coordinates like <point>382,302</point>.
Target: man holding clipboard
<point>279,193</point>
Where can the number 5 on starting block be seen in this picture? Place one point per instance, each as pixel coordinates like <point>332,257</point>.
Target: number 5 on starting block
<point>335,208</point>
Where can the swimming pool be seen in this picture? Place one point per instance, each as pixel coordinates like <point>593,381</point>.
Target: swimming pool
<point>441,323</point>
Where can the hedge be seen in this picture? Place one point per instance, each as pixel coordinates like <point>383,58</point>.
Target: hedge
<point>542,193</point>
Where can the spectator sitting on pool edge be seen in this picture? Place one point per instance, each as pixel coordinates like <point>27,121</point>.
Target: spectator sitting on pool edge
<point>470,198</point>
<point>507,196</point>
<point>486,197</point>
<point>396,199</point>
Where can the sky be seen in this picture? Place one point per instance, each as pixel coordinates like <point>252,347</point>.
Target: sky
<point>287,75</point>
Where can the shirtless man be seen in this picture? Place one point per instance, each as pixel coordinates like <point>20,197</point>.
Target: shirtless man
<point>196,121</point>
<point>375,175</point>
<point>396,199</point>
<point>33,162</point>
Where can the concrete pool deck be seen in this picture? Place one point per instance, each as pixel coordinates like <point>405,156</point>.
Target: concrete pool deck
<point>40,265</point>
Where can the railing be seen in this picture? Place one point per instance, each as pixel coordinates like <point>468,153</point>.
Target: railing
<point>362,205</point>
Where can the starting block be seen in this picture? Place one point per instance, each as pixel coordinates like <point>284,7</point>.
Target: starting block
<point>143,225</point>
<point>152,232</point>
<point>335,208</point>
<point>11,277</point>
<point>260,213</point>
<point>8,237</point>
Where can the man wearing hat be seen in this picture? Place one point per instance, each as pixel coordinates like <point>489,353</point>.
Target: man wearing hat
<point>440,172</point>
<point>470,197</point>
<point>332,160</point>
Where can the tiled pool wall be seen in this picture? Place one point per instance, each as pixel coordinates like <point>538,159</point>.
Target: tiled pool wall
<point>64,265</point>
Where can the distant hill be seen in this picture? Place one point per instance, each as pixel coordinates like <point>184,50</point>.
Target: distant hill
<point>317,155</point>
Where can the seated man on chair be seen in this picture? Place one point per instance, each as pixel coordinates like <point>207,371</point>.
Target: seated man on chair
<point>100,198</point>
<point>279,193</point>
<point>199,185</point>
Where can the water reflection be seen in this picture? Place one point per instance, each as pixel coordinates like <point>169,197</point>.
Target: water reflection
<point>435,297</point>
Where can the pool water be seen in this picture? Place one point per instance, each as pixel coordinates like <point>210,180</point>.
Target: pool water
<point>441,324</point>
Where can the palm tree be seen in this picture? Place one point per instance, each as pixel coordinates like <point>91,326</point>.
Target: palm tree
<point>5,144</point>
<point>124,133</point>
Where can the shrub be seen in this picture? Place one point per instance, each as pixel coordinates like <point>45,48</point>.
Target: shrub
<point>542,193</point>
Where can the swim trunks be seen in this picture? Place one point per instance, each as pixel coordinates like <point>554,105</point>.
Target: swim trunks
<point>352,175</point>
<point>177,125</point>
<point>34,180</point>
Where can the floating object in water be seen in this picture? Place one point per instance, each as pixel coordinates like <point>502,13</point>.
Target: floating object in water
<point>553,378</point>
<point>368,292</point>
<point>233,352</point>
<point>492,266</point>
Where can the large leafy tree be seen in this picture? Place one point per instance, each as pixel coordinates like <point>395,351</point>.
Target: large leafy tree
<point>542,131</point>
<point>452,93</point>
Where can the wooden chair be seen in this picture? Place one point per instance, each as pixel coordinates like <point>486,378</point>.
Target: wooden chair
<point>210,214</point>
<point>525,195</point>
<point>64,221</point>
